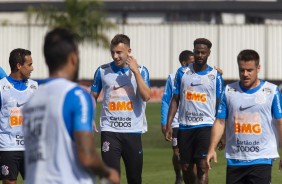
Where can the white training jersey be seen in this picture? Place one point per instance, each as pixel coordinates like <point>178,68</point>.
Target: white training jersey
<point>11,119</point>
<point>250,130</point>
<point>51,156</point>
<point>198,98</point>
<point>123,108</point>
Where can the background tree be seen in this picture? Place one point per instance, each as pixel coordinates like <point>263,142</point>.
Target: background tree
<point>86,18</point>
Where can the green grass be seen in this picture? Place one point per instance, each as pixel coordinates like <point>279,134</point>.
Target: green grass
<point>157,167</point>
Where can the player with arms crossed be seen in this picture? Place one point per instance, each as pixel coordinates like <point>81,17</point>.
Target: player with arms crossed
<point>15,91</point>
<point>186,57</point>
<point>126,89</point>
<point>60,146</point>
<point>246,112</point>
<point>197,88</point>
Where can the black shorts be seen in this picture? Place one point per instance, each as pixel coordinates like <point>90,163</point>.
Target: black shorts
<point>193,144</point>
<point>11,163</point>
<point>129,147</point>
<point>251,174</point>
<point>174,137</point>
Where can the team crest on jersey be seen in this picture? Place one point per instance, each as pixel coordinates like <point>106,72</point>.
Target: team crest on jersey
<point>211,76</point>
<point>5,170</point>
<point>267,91</point>
<point>230,90</point>
<point>6,87</point>
<point>33,86</point>
<point>106,146</point>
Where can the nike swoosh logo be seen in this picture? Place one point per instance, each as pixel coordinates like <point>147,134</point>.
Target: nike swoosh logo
<point>19,105</point>
<point>115,88</point>
<point>244,108</point>
<point>192,84</point>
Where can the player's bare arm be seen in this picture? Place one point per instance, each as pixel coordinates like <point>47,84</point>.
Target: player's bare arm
<point>142,87</point>
<point>279,130</point>
<point>95,95</point>
<point>216,134</point>
<point>90,159</point>
<point>218,70</point>
<point>171,113</point>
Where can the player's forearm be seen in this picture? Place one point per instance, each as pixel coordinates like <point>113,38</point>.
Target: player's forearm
<point>172,111</point>
<point>95,95</point>
<point>87,154</point>
<point>143,90</point>
<point>216,133</point>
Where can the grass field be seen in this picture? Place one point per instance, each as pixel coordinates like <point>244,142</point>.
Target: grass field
<point>157,167</point>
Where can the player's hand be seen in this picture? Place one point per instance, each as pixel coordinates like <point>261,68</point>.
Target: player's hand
<point>280,165</point>
<point>163,129</point>
<point>168,134</point>
<point>221,144</point>
<point>211,155</point>
<point>132,63</point>
<point>95,128</point>
<point>218,70</point>
<point>114,177</point>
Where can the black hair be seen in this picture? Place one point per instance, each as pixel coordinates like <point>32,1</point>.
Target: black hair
<point>59,43</point>
<point>184,55</point>
<point>248,55</point>
<point>18,56</point>
<point>203,41</point>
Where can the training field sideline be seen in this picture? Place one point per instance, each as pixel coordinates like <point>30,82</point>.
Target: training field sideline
<point>157,167</point>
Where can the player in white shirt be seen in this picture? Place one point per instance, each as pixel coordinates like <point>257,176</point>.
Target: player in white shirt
<point>185,57</point>
<point>126,89</point>
<point>15,91</point>
<point>250,111</point>
<point>58,121</point>
<point>197,89</point>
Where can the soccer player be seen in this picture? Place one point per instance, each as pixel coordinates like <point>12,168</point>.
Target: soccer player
<point>2,73</point>
<point>15,90</point>
<point>250,112</point>
<point>126,89</point>
<point>58,122</point>
<point>196,90</point>
<point>186,57</point>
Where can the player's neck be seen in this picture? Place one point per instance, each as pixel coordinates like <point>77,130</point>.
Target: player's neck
<point>199,68</point>
<point>16,76</point>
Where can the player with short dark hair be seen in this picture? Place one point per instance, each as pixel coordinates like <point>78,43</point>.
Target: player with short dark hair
<point>197,89</point>
<point>250,111</point>
<point>58,121</point>
<point>15,91</point>
<point>126,89</point>
<point>185,57</point>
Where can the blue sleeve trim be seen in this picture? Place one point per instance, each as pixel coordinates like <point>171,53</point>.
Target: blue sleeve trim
<point>78,111</point>
<point>219,85</point>
<point>145,75</point>
<point>166,100</point>
<point>276,107</point>
<point>177,82</point>
<point>2,73</point>
<point>222,108</point>
<point>97,82</point>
